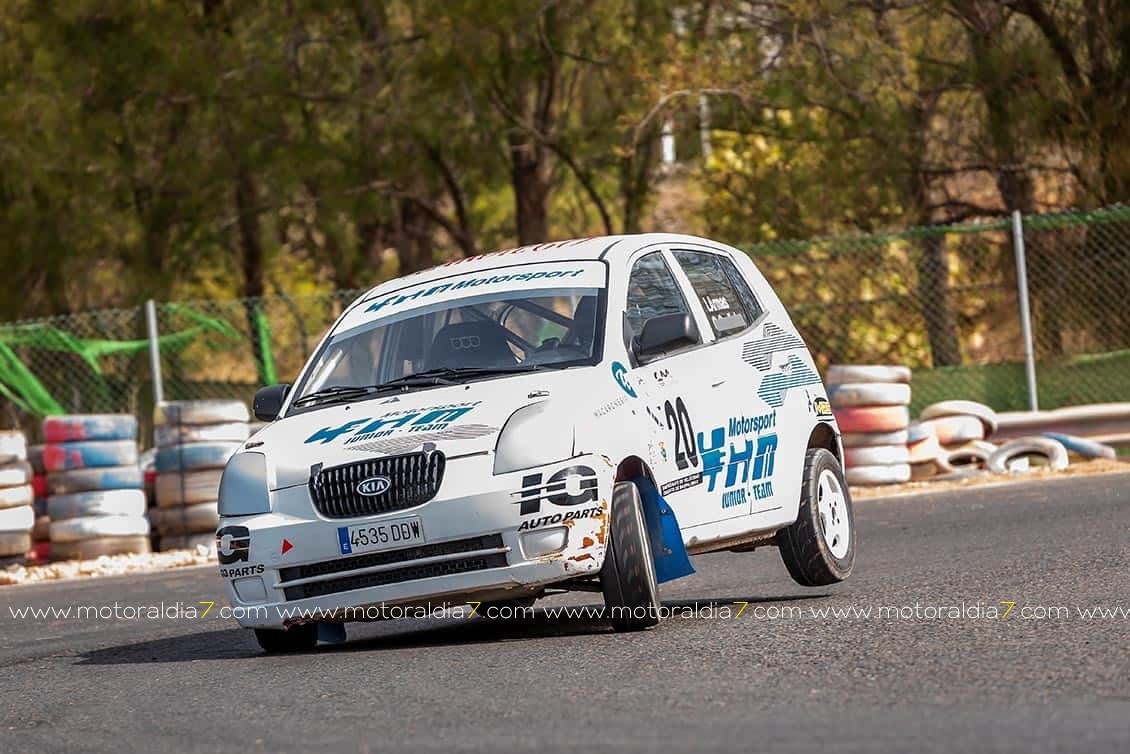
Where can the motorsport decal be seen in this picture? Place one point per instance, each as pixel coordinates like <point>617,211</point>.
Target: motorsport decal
<point>241,571</point>
<point>557,518</point>
<point>572,485</point>
<point>821,407</point>
<point>774,387</point>
<point>429,419</point>
<point>748,464</point>
<point>233,543</point>
<point>759,353</point>
<point>487,278</point>
<point>620,374</point>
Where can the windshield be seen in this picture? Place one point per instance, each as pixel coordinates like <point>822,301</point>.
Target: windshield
<point>470,337</point>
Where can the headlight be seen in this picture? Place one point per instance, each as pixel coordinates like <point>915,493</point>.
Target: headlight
<point>243,487</point>
<point>534,435</point>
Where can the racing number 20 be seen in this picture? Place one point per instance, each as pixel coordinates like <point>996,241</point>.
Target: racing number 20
<point>679,420</point>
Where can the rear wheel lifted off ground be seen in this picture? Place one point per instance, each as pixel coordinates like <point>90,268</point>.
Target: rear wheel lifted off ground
<point>819,549</point>
<point>295,639</point>
<point>627,578</point>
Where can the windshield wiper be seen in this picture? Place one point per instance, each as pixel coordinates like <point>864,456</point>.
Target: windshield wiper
<point>427,378</point>
<point>335,393</point>
<point>447,375</point>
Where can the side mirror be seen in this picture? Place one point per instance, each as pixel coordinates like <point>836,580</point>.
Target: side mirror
<point>664,333</point>
<point>269,401</point>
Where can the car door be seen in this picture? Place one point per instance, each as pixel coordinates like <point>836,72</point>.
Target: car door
<point>738,449</point>
<point>676,385</point>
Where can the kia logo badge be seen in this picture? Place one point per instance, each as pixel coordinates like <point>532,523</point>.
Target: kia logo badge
<point>373,486</point>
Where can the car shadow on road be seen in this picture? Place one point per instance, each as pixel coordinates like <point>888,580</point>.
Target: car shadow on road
<point>223,644</point>
<point>540,623</point>
<point>546,623</point>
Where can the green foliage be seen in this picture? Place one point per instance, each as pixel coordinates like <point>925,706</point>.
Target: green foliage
<point>217,148</point>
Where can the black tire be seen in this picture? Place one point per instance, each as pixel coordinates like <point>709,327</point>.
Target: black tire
<point>807,554</point>
<point>627,578</point>
<point>300,638</point>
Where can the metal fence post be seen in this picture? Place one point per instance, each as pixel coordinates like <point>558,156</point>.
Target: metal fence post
<point>154,351</point>
<point>1025,309</point>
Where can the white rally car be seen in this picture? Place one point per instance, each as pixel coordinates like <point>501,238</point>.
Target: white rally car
<point>577,415</point>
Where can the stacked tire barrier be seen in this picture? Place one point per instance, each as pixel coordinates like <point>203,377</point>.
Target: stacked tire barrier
<point>41,533</point>
<point>194,441</point>
<point>871,407</point>
<point>952,439</point>
<point>17,514</point>
<point>95,496</point>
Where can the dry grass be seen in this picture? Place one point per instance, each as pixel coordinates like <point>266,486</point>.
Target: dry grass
<point>107,565</point>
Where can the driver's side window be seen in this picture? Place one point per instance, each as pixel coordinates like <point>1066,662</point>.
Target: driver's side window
<point>652,292</point>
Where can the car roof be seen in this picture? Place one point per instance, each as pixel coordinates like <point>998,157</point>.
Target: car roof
<point>610,248</point>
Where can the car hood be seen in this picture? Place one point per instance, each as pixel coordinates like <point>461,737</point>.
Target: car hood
<point>458,420</point>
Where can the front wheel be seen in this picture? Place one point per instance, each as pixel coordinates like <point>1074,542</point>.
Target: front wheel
<point>627,578</point>
<point>288,641</point>
<point>819,548</point>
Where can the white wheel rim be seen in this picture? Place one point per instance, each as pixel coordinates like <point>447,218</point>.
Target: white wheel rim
<point>831,507</point>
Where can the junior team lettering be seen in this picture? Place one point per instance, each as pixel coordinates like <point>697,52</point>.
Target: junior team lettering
<point>381,426</point>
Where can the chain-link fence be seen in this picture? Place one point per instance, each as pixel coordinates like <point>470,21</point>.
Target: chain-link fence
<point>943,300</point>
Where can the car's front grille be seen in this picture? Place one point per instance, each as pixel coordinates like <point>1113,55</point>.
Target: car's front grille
<point>413,479</point>
<point>410,571</point>
<point>407,573</point>
<point>388,557</point>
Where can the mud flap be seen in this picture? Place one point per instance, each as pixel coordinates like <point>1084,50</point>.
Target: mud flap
<point>671,560</point>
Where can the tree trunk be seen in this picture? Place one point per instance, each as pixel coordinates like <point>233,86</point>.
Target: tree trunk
<point>413,238</point>
<point>529,179</point>
<point>252,266</point>
<point>934,298</point>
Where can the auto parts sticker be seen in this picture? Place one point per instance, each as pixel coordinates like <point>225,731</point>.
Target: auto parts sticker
<point>233,544</point>
<point>556,490</point>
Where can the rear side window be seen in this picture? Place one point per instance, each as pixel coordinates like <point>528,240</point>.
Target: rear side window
<point>652,291</point>
<point>729,303</point>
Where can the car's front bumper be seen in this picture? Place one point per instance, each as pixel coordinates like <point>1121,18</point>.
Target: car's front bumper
<point>478,547</point>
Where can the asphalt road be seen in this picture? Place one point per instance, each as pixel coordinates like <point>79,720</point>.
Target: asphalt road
<point>700,681</point>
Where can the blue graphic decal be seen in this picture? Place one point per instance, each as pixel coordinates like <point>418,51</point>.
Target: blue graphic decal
<point>429,419</point>
<point>620,374</point>
<point>759,353</point>
<point>775,387</point>
<point>747,450</point>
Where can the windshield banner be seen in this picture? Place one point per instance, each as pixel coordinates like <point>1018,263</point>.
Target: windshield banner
<point>482,285</point>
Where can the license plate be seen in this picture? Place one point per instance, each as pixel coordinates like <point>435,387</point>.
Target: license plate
<point>386,535</point>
